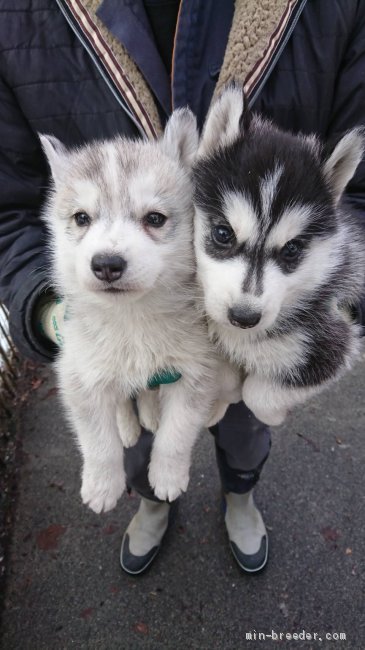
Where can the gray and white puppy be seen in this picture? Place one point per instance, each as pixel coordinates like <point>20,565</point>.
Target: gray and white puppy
<point>120,217</point>
<point>279,258</point>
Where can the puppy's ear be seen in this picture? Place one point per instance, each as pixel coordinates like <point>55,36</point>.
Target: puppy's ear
<point>224,121</point>
<point>56,154</point>
<point>341,165</point>
<point>180,139</point>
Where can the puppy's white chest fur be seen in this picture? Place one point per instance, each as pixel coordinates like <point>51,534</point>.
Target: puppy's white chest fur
<point>265,356</point>
<point>126,346</point>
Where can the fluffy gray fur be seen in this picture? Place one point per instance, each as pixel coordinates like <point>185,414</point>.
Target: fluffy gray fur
<point>124,326</point>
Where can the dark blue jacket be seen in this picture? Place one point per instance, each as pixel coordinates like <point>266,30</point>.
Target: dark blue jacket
<point>58,76</point>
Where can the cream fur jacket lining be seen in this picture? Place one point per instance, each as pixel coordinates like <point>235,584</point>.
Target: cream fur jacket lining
<point>256,30</point>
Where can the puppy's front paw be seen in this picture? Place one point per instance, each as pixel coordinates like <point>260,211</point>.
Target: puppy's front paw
<point>167,478</point>
<point>102,486</point>
<point>261,402</point>
<point>270,417</point>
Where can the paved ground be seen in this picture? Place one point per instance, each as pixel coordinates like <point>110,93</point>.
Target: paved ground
<point>65,588</point>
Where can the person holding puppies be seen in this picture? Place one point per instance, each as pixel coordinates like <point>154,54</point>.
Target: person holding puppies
<point>83,70</point>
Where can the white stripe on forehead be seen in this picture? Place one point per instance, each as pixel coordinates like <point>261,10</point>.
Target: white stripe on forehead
<point>112,170</point>
<point>241,215</point>
<point>86,196</point>
<point>290,225</point>
<point>142,190</point>
<point>268,188</point>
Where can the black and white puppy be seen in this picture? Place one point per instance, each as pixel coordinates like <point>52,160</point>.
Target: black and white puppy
<point>279,257</point>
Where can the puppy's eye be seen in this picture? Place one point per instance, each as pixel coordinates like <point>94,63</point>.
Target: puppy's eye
<point>223,235</point>
<point>154,219</point>
<point>82,219</point>
<point>291,251</point>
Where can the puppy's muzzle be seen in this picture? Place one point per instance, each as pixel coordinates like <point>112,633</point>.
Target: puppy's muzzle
<point>243,317</point>
<point>108,268</point>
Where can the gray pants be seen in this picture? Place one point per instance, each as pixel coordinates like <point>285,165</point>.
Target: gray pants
<point>242,446</point>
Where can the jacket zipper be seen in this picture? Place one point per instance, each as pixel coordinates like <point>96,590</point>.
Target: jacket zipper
<point>173,55</point>
<point>118,95</point>
<point>272,62</point>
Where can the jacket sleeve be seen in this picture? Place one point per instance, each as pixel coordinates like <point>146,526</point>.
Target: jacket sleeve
<point>24,266</point>
<point>349,111</point>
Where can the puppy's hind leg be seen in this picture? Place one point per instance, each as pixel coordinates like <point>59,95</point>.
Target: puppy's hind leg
<point>128,426</point>
<point>218,412</point>
<point>185,411</point>
<point>149,412</point>
<point>229,391</point>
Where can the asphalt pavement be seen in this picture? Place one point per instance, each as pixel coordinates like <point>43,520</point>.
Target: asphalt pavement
<point>65,588</point>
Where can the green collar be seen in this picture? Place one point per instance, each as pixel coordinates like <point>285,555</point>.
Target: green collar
<point>163,377</point>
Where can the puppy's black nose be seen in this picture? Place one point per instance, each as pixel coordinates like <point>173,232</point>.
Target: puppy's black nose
<point>243,317</point>
<point>108,267</point>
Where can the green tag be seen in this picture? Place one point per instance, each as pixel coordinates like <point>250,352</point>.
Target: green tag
<point>163,377</point>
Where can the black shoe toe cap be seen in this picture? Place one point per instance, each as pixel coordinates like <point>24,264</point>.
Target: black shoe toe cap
<point>251,563</point>
<point>135,564</point>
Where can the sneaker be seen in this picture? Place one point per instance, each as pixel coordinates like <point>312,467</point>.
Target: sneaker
<point>143,538</point>
<point>246,530</point>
